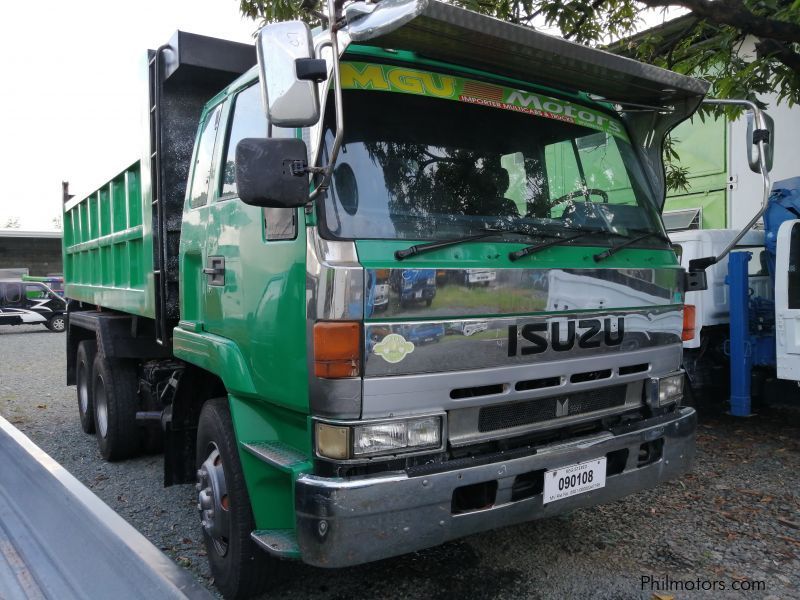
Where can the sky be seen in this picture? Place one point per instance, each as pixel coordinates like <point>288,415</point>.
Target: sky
<point>72,91</point>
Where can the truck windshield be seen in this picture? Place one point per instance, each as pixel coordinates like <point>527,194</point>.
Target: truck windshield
<point>423,167</point>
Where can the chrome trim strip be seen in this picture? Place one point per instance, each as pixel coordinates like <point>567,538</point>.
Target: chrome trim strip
<point>459,345</point>
<point>334,291</point>
<point>409,394</point>
<point>334,279</point>
<point>431,293</point>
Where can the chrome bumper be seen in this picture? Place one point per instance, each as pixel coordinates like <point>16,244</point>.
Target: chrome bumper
<point>343,522</point>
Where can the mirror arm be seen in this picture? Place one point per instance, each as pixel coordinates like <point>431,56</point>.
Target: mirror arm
<point>761,139</point>
<point>334,8</point>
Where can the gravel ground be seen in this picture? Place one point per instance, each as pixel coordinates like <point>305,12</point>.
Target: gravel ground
<point>734,520</point>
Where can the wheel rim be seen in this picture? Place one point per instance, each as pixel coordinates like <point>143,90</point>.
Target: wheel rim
<point>83,389</point>
<point>101,407</point>
<point>212,500</point>
<point>58,324</point>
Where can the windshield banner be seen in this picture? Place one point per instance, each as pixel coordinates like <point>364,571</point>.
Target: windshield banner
<point>370,76</point>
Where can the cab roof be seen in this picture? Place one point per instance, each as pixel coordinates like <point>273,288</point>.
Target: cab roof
<point>451,34</point>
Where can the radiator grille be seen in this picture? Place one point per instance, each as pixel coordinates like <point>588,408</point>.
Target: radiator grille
<point>505,416</point>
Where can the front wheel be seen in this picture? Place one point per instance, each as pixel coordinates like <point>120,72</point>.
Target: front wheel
<point>57,323</point>
<point>240,569</point>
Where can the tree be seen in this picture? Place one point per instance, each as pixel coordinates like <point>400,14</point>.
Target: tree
<point>709,43</point>
<point>12,223</point>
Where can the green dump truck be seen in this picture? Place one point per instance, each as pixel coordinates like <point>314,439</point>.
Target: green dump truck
<point>275,293</point>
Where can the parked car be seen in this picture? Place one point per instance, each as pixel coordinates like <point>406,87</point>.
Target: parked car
<point>54,281</point>
<point>29,302</point>
<point>414,285</point>
<point>423,333</point>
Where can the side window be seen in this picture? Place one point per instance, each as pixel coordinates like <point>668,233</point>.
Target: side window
<point>35,292</point>
<point>248,121</point>
<point>13,293</point>
<point>202,162</point>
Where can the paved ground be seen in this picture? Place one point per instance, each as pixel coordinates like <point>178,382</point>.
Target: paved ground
<point>735,521</point>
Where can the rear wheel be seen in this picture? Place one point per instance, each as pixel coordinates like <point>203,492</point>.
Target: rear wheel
<point>84,363</point>
<point>57,323</point>
<point>240,569</point>
<point>115,404</point>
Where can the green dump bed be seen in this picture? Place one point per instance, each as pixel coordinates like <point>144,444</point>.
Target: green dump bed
<point>108,248</point>
<point>121,241</point>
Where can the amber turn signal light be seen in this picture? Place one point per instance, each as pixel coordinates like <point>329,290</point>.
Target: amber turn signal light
<point>337,349</point>
<point>689,319</point>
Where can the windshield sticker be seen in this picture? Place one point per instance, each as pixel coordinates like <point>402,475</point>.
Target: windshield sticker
<point>369,76</point>
<point>393,348</point>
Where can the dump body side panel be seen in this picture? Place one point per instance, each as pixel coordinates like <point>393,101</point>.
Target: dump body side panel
<point>108,257</point>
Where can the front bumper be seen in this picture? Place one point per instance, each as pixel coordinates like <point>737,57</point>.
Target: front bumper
<point>343,522</point>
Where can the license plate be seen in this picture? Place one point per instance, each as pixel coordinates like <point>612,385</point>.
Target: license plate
<point>574,479</point>
<point>418,294</point>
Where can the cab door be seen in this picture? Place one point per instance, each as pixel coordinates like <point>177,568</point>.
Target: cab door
<point>36,299</point>
<point>787,301</point>
<point>258,302</point>
<point>195,266</point>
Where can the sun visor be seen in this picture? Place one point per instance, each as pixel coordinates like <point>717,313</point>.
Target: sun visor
<point>458,36</point>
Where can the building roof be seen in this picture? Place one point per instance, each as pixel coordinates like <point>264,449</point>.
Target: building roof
<point>22,233</point>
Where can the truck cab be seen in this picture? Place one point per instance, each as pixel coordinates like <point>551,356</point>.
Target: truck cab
<point>424,159</point>
<point>300,327</point>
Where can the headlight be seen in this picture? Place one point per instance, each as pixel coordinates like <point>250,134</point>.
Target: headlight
<point>666,390</point>
<point>431,280</point>
<point>358,440</point>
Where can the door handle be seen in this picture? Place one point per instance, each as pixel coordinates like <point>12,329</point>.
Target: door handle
<point>215,270</point>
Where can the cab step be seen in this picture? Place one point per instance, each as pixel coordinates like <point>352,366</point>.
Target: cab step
<point>279,455</point>
<point>278,542</point>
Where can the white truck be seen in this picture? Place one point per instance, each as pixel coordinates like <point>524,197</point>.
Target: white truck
<point>706,312</point>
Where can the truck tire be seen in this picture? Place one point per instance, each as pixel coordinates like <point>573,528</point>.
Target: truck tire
<point>57,323</point>
<point>115,390</point>
<point>84,365</point>
<point>239,567</point>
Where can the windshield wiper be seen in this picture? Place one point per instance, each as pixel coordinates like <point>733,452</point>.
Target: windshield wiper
<point>632,240</point>
<point>427,246</point>
<point>528,250</point>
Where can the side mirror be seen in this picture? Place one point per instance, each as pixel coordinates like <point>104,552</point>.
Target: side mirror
<point>272,172</point>
<point>752,143</point>
<point>289,74</point>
